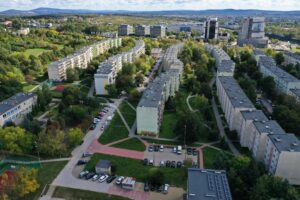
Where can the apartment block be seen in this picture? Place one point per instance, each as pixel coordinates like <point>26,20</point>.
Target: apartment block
<point>125,29</point>
<point>232,99</point>
<point>207,184</point>
<point>257,53</point>
<point>158,31</point>
<point>211,28</point>
<point>283,80</point>
<point>295,93</point>
<point>291,58</point>
<point>151,106</point>
<point>107,70</point>
<point>15,108</point>
<point>57,70</point>
<point>142,30</point>
<point>259,130</point>
<point>282,157</point>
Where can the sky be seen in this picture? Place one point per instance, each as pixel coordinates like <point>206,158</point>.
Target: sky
<point>146,5</point>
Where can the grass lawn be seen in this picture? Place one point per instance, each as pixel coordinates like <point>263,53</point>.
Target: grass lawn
<point>128,113</point>
<point>132,144</point>
<point>35,52</point>
<point>27,87</point>
<point>154,141</point>
<point>46,175</point>
<point>135,168</point>
<point>210,155</point>
<point>168,124</point>
<point>56,94</point>
<point>75,194</point>
<point>116,130</point>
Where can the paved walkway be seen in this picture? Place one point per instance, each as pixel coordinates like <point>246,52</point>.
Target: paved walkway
<point>116,142</point>
<point>96,147</point>
<point>136,195</point>
<point>188,103</point>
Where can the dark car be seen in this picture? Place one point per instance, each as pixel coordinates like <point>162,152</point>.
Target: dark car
<point>159,188</point>
<point>110,101</point>
<point>156,148</point>
<point>110,179</point>
<point>81,162</point>
<point>173,164</point>
<point>189,151</point>
<point>90,175</point>
<point>146,187</point>
<point>195,152</point>
<point>152,187</point>
<point>146,161</point>
<point>93,126</point>
<point>168,163</point>
<point>179,164</point>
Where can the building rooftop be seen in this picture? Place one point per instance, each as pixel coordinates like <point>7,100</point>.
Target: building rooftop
<point>226,66</point>
<point>296,92</point>
<point>208,185</point>
<point>270,64</point>
<point>293,55</point>
<point>13,101</point>
<point>104,164</point>
<point>258,52</point>
<point>269,126</point>
<point>235,93</point>
<point>105,68</point>
<point>286,142</point>
<point>255,115</point>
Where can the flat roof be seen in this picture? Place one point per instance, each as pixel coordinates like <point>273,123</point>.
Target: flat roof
<point>270,127</point>
<point>235,93</point>
<point>206,184</point>
<point>13,101</point>
<point>293,55</point>
<point>296,92</point>
<point>270,64</point>
<point>286,142</point>
<point>255,115</point>
<point>226,66</point>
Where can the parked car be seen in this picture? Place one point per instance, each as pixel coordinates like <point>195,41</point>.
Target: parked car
<point>83,174</point>
<point>92,126</point>
<point>179,149</point>
<point>165,188</point>
<point>86,154</point>
<point>151,162</point>
<point>146,161</point>
<point>159,188</point>
<point>161,148</point>
<point>110,101</point>
<point>179,164</point>
<point>195,152</point>
<point>95,177</point>
<point>150,148</point>
<point>81,162</point>
<point>102,128</point>
<point>110,179</point>
<point>173,164</point>
<point>168,163</point>
<point>162,163</point>
<point>119,180</point>
<point>103,178</point>
<point>152,187</point>
<point>174,150</point>
<point>156,148</point>
<point>146,186</point>
<point>189,151</point>
<point>90,175</point>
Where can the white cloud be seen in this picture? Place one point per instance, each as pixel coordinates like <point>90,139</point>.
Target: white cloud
<point>152,4</point>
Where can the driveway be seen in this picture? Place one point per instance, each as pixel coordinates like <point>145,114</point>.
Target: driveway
<point>173,194</point>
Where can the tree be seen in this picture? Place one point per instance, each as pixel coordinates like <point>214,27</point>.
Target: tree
<point>279,58</point>
<point>249,88</point>
<point>156,177</point>
<point>268,86</point>
<point>201,103</point>
<point>75,114</point>
<point>288,118</point>
<point>75,136</point>
<point>26,181</point>
<point>72,75</point>
<point>112,90</point>
<point>51,143</point>
<point>139,79</point>
<point>15,139</point>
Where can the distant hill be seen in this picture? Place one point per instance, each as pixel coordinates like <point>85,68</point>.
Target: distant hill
<point>56,11</point>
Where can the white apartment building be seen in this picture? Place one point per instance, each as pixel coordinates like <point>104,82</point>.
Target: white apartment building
<point>243,130</point>
<point>283,80</point>
<point>232,99</point>
<point>107,70</point>
<point>151,106</point>
<point>15,108</point>
<point>259,130</point>
<point>57,70</point>
<point>282,157</point>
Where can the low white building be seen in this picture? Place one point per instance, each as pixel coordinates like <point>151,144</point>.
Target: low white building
<point>23,31</point>
<point>282,157</point>
<point>15,108</point>
<point>259,130</point>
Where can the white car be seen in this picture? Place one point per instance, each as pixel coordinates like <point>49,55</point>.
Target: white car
<point>102,178</point>
<point>166,188</point>
<point>174,150</point>
<point>83,174</point>
<point>95,177</point>
<point>161,148</point>
<point>119,180</point>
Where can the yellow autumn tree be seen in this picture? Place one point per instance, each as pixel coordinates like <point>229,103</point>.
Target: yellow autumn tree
<point>26,181</point>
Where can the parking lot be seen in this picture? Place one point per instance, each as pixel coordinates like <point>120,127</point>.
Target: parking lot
<point>168,154</point>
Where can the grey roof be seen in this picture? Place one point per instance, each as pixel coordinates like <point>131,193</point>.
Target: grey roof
<point>286,142</point>
<point>258,52</point>
<point>270,64</point>
<point>226,66</point>
<point>293,55</point>
<point>270,127</point>
<point>235,93</point>
<point>208,185</point>
<point>254,115</point>
<point>296,92</point>
<point>105,68</point>
<point>13,101</point>
<point>103,164</point>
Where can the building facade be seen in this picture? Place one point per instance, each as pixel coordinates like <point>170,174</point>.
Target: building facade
<point>125,29</point>
<point>211,29</point>
<point>158,31</point>
<point>142,30</point>
<point>16,108</point>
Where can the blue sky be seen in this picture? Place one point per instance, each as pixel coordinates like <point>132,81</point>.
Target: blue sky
<point>151,4</point>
